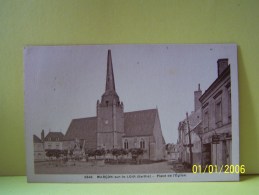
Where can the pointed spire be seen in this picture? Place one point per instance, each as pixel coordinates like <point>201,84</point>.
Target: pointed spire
<point>110,96</point>
<point>110,84</point>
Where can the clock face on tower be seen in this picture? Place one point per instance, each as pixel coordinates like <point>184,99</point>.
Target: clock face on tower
<point>106,122</point>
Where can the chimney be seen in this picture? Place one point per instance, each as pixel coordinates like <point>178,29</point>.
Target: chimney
<point>42,135</point>
<point>197,95</point>
<point>222,65</point>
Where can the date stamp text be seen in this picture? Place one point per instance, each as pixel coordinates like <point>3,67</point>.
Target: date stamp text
<point>226,169</point>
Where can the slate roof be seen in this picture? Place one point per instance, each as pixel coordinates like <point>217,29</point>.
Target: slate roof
<point>36,139</point>
<point>83,128</point>
<point>139,123</point>
<point>54,136</point>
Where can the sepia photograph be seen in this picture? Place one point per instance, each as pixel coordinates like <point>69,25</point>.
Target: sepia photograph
<point>131,113</point>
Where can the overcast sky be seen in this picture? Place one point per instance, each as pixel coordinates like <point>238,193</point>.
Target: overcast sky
<point>65,82</point>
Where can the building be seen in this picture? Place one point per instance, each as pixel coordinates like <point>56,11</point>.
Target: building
<point>39,152</point>
<point>173,154</point>
<point>53,141</point>
<point>209,135</point>
<point>189,138</point>
<point>114,128</point>
<point>216,118</point>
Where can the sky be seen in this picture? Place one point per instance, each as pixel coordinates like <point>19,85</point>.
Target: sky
<point>64,82</point>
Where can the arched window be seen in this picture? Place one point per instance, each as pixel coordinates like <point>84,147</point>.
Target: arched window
<point>126,144</point>
<point>142,144</point>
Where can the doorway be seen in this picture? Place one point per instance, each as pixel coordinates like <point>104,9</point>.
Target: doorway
<point>206,154</point>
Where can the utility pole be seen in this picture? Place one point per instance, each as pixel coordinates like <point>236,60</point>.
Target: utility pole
<point>190,143</point>
<point>200,136</point>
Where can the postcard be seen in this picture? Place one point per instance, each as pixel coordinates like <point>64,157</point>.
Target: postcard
<point>132,113</point>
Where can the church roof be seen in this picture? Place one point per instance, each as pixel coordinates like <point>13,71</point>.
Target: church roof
<point>83,128</point>
<point>139,123</point>
<point>54,136</point>
<point>36,139</point>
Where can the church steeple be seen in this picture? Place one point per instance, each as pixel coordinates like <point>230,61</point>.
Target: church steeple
<point>110,84</point>
<point>110,96</point>
<point>110,114</point>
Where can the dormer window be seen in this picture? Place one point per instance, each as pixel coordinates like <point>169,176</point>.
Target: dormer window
<point>107,102</point>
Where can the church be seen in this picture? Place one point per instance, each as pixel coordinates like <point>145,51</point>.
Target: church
<point>114,128</point>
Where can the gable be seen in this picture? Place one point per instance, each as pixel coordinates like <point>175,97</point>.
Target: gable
<point>36,139</point>
<point>54,136</point>
<point>139,123</point>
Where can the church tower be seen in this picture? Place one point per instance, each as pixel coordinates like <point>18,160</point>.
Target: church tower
<point>110,114</point>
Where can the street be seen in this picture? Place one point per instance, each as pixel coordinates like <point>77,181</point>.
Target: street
<point>85,168</point>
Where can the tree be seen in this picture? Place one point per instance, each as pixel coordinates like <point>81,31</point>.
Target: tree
<point>124,152</point>
<point>136,153</point>
<point>118,152</point>
<point>53,153</point>
<point>65,154</point>
<point>90,153</point>
<point>49,153</point>
<point>99,152</point>
<point>57,153</point>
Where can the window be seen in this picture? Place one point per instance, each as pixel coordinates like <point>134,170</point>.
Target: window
<point>218,113</point>
<point>142,144</point>
<point>206,120</point>
<point>126,144</point>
